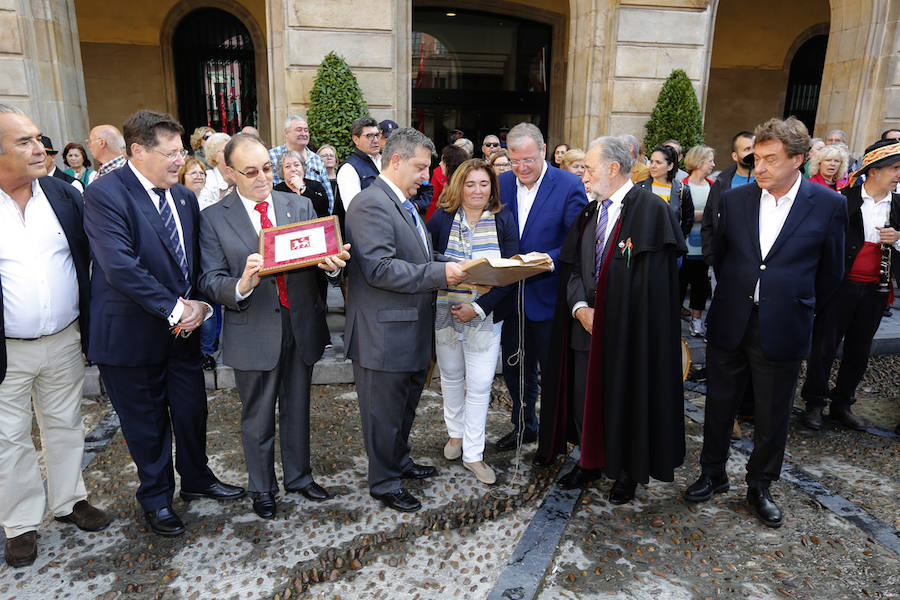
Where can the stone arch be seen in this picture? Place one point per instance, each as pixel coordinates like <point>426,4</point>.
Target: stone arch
<point>167,32</point>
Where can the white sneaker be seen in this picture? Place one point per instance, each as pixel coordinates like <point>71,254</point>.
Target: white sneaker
<point>697,328</point>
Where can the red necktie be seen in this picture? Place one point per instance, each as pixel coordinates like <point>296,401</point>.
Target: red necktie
<point>261,208</point>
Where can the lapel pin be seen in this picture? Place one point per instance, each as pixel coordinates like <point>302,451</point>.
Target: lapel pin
<point>182,202</point>
<point>289,215</point>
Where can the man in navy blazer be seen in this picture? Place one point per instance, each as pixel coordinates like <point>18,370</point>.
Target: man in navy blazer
<point>779,252</point>
<point>143,229</point>
<point>545,201</point>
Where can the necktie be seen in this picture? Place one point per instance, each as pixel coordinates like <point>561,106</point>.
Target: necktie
<point>261,208</point>
<point>414,215</point>
<point>600,236</point>
<point>168,219</point>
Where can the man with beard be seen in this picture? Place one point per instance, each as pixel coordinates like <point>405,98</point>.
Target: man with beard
<point>616,385</point>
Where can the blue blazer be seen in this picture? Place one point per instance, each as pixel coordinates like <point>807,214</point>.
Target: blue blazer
<point>136,280</point>
<point>66,203</point>
<point>507,236</point>
<point>559,200</point>
<point>803,268</point>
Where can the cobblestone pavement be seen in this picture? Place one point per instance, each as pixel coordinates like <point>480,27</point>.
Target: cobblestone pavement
<point>351,547</point>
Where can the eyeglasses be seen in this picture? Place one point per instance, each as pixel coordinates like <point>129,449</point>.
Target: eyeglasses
<point>492,144</point>
<point>370,136</point>
<point>327,155</point>
<point>253,172</point>
<point>528,162</point>
<point>175,155</point>
<point>501,165</point>
<point>206,137</point>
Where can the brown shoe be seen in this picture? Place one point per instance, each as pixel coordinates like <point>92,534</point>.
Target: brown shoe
<point>21,550</point>
<point>87,517</point>
<point>846,418</point>
<point>736,432</point>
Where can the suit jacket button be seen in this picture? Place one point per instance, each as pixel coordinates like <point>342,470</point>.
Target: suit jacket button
<point>762,267</point>
<point>750,298</point>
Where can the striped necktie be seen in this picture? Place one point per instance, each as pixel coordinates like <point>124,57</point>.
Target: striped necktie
<point>414,215</point>
<point>600,236</point>
<point>168,219</point>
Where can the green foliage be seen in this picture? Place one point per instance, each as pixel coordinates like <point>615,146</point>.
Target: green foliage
<point>676,115</point>
<point>336,100</point>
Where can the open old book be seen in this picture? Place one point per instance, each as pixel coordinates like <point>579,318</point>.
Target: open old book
<point>485,273</point>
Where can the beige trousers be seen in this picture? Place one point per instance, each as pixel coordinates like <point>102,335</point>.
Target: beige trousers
<point>49,371</point>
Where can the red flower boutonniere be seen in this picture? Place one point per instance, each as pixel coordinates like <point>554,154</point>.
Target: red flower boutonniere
<point>626,247</point>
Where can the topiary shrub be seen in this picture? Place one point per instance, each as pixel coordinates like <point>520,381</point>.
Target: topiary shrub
<point>336,100</point>
<point>676,115</point>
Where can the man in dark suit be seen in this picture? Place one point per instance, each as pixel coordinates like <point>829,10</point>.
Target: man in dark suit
<point>275,327</point>
<point>143,229</point>
<point>50,163</point>
<point>545,201</point>
<point>44,295</point>
<point>778,253</point>
<point>390,316</point>
<point>854,313</point>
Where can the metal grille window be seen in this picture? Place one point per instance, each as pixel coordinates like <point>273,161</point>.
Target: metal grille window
<point>215,72</point>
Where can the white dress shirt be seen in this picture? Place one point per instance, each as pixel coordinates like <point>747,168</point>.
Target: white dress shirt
<point>875,213</point>
<point>773,212</point>
<point>178,310</point>
<point>612,214</point>
<point>40,287</point>
<point>256,221</point>
<point>215,183</point>
<point>525,197</point>
<point>348,180</point>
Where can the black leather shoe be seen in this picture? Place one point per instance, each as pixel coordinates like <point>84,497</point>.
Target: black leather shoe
<point>578,478</point>
<point>509,441</point>
<point>264,504</point>
<point>622,490</point>
<point>846,418</point>
<point>399,499</point>
<point>217,491</point>
<point>165,522</point>
<point>766,509</point>
<point>812,417</point>
<point>209,362</point>
<point>704,488</point>
<point>414,471</point>
<point>543,461</point>
<point>312,490</point>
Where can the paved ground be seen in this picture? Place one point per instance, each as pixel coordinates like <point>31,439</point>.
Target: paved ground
<point>458,546</point>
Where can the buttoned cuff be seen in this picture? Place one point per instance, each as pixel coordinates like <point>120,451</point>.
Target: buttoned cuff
<point>478,310</point>
<point>579,304</point>
<point>176,313</point>
<point>237,292</point>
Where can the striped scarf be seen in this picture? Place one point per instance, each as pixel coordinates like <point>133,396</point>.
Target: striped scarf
<point>466,243</point>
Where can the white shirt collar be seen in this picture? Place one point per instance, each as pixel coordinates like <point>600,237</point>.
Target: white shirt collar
<point>867,196</point>
<point>249,204</point>
<point>619,195</point>
<point>537,184</point>
<point>790,195</point>
<point>394,188</point>
<point>146,183</point>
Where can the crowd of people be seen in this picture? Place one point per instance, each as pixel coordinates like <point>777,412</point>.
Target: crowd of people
<point>122,263</point>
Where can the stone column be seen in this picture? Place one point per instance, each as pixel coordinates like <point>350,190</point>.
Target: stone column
<point>372,36</point>
<point>40,66</point>
<point>861,82</point>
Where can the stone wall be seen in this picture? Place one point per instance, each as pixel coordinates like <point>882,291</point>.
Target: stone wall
<point>40,66</point>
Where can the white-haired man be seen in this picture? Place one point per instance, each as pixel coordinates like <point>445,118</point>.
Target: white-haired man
<point>296,138</point>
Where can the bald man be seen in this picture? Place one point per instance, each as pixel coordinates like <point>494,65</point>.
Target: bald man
<point>107,145</point>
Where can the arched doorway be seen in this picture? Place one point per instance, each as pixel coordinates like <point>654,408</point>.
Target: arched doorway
<point>805,80</point>
<point>478,71</point>
<point>215,71</point>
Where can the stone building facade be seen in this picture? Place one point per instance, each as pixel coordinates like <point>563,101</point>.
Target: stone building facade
<point>72,65</point>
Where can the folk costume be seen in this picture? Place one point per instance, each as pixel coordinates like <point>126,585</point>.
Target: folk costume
<point>633,416</point>
<point>854,312</point>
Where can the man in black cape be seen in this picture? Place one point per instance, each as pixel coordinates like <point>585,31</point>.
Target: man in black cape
<point>619,396</point>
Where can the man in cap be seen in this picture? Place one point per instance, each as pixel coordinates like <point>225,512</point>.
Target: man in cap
<point>854,313</point>
<point>52,171</point>
<point>386,127</point>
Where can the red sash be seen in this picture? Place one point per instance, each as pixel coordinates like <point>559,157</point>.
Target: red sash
<point>867,266</point>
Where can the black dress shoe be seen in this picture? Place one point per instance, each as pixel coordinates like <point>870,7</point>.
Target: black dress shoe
<point>543,461</point>
<point>399,499</point>
<point>217,491</point>
<point>209,362</point>
<point>761,500</point>
<point>846,418</point>
<point>414,471</point>
<point>622,490</point>
<point>509,441</point>
<point>264,504</point>
<point>578,478</point>
<point>812,417</point>
<point>704,488</point>
<point>312,490</point>
<point>165,522</point>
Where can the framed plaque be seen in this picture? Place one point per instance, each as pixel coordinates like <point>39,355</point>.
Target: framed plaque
<point>299,245</point>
